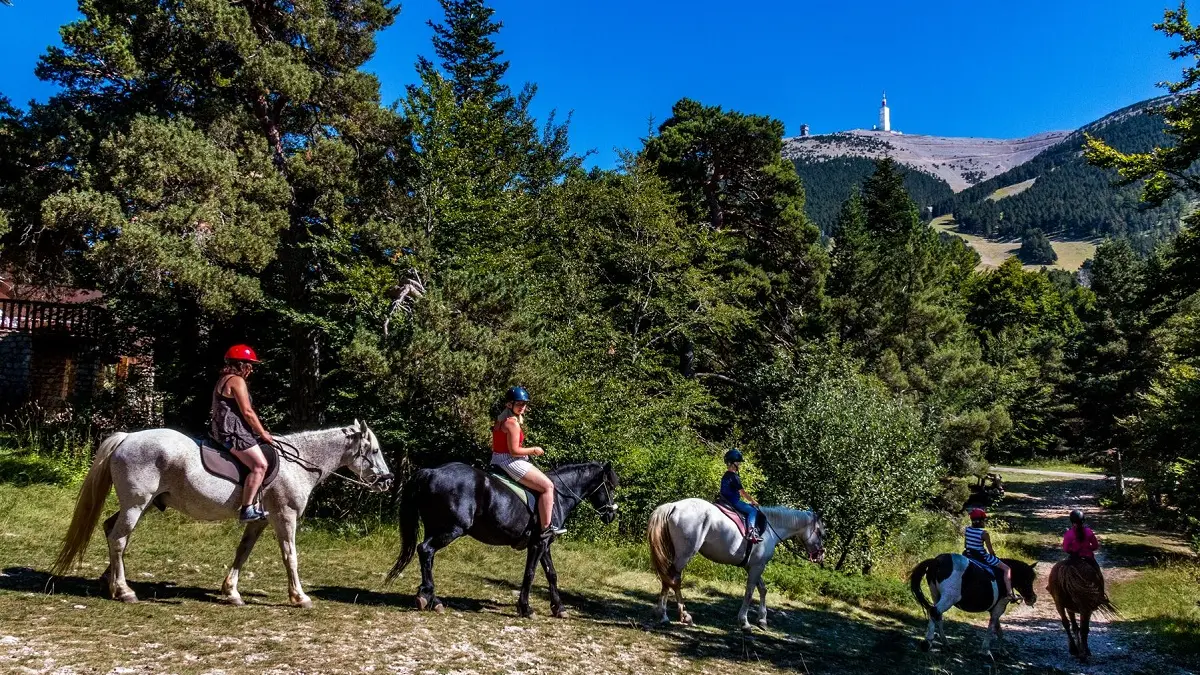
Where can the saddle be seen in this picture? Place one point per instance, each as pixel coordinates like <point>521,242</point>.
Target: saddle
<point>530,498</point>
<point>220,462</point>
<point>735,515</point>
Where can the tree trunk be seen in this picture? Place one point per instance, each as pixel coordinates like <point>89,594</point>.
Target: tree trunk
<point>306,379</point>
<point>845,552</point>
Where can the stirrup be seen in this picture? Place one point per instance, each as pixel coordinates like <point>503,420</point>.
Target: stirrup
<point>552,531</point>
<point>753,535</point>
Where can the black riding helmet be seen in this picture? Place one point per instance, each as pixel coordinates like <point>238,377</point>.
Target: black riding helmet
<point>1077,516</point>
<point>734,455</point>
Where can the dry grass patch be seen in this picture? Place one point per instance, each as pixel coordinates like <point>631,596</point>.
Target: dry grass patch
<point>993,252</point>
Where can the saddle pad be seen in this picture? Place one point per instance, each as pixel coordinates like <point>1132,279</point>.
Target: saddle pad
<point>733,515</point>
<point>518,489</point>
<point>986,568</point>
<point>222,464</point>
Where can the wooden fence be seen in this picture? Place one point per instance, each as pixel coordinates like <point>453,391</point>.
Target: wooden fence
<point>32,316</point>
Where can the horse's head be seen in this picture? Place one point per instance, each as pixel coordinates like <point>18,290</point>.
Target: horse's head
<point>602,498</point>
<point>813,536</point>
<point>1023,577</point>
<point>365,458</point>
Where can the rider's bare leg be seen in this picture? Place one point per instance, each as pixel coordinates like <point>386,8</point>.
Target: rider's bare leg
<point>538,482</point>
<point>254,460</point>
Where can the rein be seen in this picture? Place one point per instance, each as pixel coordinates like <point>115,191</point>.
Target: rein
<point>295,458</point>
<point>607,508</point>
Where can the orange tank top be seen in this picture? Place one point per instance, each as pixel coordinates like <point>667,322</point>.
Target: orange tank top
<point>500,439</point>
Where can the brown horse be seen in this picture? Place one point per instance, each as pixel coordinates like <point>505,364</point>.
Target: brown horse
<point>1077,586</point>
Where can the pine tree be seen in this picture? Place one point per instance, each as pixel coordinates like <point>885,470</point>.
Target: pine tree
<point>897,303</point>
<point>225,160</point>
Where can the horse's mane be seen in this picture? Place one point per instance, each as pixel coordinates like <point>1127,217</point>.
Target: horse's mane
<point>574,469</point>
<point>785,515</point>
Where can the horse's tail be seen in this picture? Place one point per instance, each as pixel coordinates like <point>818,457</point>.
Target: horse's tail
<point>662,548</point>
<point>914,583</point>
<point>410,522</point>
<point>88,507</point>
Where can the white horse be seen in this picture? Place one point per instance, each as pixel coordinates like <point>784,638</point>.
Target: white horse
<point>162,467</point>
<point>680,530</point>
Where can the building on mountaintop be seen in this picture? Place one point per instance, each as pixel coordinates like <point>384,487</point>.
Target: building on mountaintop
<point>803,130</point>
<point>885,115</point>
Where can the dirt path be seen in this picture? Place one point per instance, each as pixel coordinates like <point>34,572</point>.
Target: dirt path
<point>1035,507</point>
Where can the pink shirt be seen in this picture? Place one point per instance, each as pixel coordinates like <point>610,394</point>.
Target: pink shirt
<point>1081,547</point>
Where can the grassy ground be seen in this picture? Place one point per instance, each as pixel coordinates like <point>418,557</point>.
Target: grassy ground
<point>1010,190</point>
<point>993,252</point>
<point>821,622</point>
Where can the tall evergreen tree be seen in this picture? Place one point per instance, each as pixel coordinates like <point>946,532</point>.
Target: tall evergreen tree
<point>736,188</point>
<point>896,290</point>
<point>224,159</point>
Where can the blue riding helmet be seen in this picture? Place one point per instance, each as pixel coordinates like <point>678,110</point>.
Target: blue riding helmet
<point>516,395</point>
<point>733,455</point>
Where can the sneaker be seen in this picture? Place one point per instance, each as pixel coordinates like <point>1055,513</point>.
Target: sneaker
<point>251,513</point>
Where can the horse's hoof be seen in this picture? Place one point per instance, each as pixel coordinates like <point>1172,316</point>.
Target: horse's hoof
<point>304,604</point>
<point>687,620</point>
<point>422,603</point>
<point>439,608</point>
<point>129,597</point>
<point>235,600</point>
<point>1074,650</point>
<point>762,624</point>
<point>747,629</point>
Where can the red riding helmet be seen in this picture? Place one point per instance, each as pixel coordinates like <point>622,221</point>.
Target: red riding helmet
<point>978,514</point>
<point>241,353</point>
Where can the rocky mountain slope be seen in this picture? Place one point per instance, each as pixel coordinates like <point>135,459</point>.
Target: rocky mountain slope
<point>961,162</point>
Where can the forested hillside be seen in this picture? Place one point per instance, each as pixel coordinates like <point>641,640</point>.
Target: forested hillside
<point>829,182</point>
<point>1070,198</point>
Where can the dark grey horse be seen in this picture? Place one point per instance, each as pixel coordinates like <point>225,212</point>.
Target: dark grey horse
<point>455,499</point>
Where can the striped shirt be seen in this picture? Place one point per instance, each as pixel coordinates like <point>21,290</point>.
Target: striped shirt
<point>974,537</point>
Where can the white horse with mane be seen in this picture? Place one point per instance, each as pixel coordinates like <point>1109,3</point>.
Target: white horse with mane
<point>680,530</point>
<point>162,467</point>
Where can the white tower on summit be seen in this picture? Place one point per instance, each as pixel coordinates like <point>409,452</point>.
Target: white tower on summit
<point>885,115</point>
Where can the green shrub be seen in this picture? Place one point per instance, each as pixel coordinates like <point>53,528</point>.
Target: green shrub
<point>863,457</point>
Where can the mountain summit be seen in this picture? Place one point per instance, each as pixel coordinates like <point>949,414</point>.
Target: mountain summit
<point>960,162</point>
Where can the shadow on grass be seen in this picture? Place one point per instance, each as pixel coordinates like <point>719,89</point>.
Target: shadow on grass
<point>22,469</point>
<point>28,580</point>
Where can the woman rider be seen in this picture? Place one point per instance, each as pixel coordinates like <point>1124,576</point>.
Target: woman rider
<point>510,454</point>
<point>236,426</point>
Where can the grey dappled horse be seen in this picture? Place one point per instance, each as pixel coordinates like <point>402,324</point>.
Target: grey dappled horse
<point>162,467</point>
<point>680,530</point>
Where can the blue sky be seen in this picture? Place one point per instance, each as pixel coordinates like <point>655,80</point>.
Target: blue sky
<point>950,67</point>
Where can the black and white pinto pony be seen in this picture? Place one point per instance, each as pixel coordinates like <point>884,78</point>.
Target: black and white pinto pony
<point>679,530</point>
<point>955,581</point>
<point>162,468</point>
<point>455,500</point>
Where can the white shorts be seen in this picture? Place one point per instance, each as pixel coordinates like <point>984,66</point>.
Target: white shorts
<point>516,467</point>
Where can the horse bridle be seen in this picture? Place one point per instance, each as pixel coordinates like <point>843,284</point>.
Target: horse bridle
<point>295,457</point>
<point>609,508</point>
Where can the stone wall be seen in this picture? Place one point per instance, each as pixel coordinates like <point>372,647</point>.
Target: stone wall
<point>51,371</point>
<point>16,353</point>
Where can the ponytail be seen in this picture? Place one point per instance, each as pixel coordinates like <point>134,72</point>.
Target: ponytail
<point>1079,531</point>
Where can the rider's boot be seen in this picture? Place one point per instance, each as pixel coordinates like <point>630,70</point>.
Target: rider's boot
<point>251,513</point>
<point>552,531</point>
<point>753,535</point>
